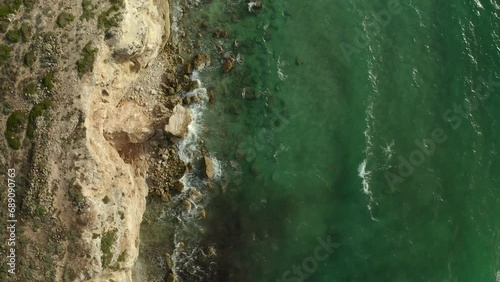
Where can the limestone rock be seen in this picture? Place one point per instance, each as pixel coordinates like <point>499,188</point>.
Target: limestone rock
<point>201,61</point>
<point>179,122</point>
<point>130,124</point>
<point>208,167</point>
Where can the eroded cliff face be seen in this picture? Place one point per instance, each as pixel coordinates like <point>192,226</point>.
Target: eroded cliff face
<point>112,179</point>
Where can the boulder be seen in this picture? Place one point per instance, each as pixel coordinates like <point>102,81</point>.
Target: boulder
<point>208,167</point>
<point>229,64</point>
<point>178,122</point>
<point>129,124</point>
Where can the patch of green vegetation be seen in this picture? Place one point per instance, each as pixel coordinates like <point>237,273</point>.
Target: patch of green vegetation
<point>9,8</point>
<point>40,211</point>
<point>16,121</point>
<point>48,81</point>
<point>75,195</point>
<point>4,25</point>
<point>107,241</point>
<point>4,53</point>
<point>30,88</point>
<point>110,18</point>
<point>88,10</point>
<point>64,19</point>
<point>122,256</point>
<point>106,199</point>
<point>37,111</point>
<point>86,63</point>
<point>122,215</point>
<point>26,31</point>
<point>13,36</point>
<point>29,58</point>
<point>15,125</point>
<point>4,10</point>
<point>14,5</point>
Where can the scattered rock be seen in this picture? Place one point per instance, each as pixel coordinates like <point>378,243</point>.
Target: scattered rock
<point>229,64</point>
<point>186,205</point>
<point>179,121</point>
<point>188,68</point>
<point>208,167</point>
<point>194,85</point>
<point>178,186</point>
<point>173,101</point>
<point>203,213</point>
<point>195,195</point>
<point>201,61</point>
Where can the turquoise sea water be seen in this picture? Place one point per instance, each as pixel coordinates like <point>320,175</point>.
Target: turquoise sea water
<point>371,127</point>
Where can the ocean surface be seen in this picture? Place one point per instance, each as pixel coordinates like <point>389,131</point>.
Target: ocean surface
<point>354,140</point>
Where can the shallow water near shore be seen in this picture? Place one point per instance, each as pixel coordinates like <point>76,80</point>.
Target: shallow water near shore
<point>319,138</point>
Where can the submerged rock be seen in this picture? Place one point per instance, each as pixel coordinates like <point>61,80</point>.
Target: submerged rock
<point>211,95</point>
<point>179,121</point>
<point>220,33</point>
<point>229,64</point>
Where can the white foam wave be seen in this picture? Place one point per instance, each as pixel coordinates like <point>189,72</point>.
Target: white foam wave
<point>281,73</point>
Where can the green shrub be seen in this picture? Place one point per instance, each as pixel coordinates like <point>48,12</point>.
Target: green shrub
<point>88,10</point>
<point>107,241</point>
<point>64,19</point>
<point>4,26</point>
<point>106,199</point>
<point>13,36</point>
<point>16,121</point>
<point>48,81</point>
<point>40,211</point>
<point>14,5</point>
<point>15,125</point>
<point>26,31</point>
<point>4,53</point>
<point>12,140</point>
<point>86,63</point>
<point>37,111</point>
<point>122,256</point>
<point>4,10</point>
<point>109,18</point>
<point>29,58</point>
<point>30,88</point>
<point>9,8</point>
